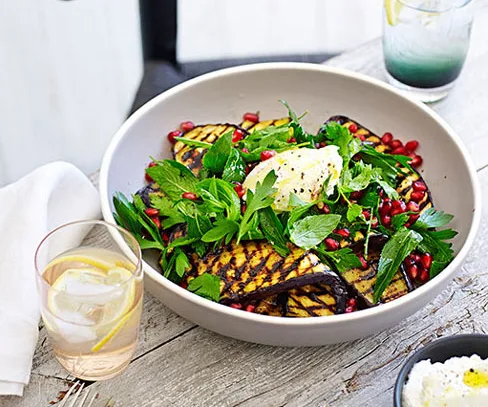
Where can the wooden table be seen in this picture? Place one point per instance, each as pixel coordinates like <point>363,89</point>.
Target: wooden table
<point>180,364</point>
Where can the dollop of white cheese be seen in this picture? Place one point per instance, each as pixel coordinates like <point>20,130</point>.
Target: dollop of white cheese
<point>444,384</point>
<point>302,172</point>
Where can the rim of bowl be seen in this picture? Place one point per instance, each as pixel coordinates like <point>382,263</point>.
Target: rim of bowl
<point>417,357</point>
<point>446,274</point>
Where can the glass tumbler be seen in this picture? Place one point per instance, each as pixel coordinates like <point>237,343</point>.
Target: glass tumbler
<point>90,280</point>
<point>425,43</point>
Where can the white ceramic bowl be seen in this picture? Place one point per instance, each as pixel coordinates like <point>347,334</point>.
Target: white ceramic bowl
<point>223,96</point>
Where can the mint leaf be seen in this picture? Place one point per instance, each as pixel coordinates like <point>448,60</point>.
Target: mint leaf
<point>235,167</point>
<point>219,196</point>
<point>312,230</point>
<point>217,155</point>
<point>430,218</point>
<point>399,220</point>
<point>222,228</point>
<point>166,209</point>
<point>273,230</point>
<point>297,213</point>
<point>173,178</point>
<point>206,286</point>
<point>261,198</point>
<point>394,252</point>
<point>353,212</point>
<point>343,259</point>
<point>182,264</point>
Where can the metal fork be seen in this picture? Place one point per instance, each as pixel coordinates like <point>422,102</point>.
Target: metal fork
<point>73,399</point>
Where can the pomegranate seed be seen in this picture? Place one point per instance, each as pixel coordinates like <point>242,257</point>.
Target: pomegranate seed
<point>416,161</point>
<point>146,175</point>
<point>331,244</point>
<point>419,186</point>
<point>412,219</point>
<point>427,260</point>
<point>424,276</point>
<point>413,271</point>
<point>344,232</point>
<point>151,212</point>
<point>251,117</point>
<point>349,310</point>
<point>395,144</point>
<point>173,134</point>
<point>238,135</point>
<point>415,257</point>
<point>236,306</point>
<point>156,221</point>
<point>267,154</point>
<point>412,145</point>
<point>250,308</point>
<point>243,208</point>
<point>292,140</point>
<point>187,126</point>
<point>317,145</point>
<point>165,237</point>
<point>366,214</point>
<point>364,263</point>
<point>417,196</point>
<point>399,151</point>
<point>353,128</point>
<point>351,302</point>
<point>356,195</point>
<point>387,137</point>
<point>326,209</point>
<point>386,220</point>
<point>245,150</point>
<point>362,137</point>
<point>323,144</point>
<point>385,208</point>
<point>413,206</point>
<point>240,190</point>
<point>399,204</point>
<point>247,170</point>
<point>189,195</point>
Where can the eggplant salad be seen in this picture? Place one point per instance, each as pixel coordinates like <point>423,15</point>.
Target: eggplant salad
<point>265,217</point>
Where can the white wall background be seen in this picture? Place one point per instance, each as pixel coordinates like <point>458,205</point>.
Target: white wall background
<point>69,71</point>
<point>211,29</point>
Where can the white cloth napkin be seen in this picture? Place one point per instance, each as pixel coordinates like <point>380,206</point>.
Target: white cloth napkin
<point>54,194</point>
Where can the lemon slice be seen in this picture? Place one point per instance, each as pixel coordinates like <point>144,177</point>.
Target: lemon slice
<point>80,258</point>
<point>392,10</point>
<point>89,300</point>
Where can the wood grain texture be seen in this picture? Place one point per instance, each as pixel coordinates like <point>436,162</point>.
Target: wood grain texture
<point>180,364</point>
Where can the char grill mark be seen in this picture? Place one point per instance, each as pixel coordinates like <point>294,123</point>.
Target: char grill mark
<point>362,282</point>
<point>254,270</point>
<point>192,156</point>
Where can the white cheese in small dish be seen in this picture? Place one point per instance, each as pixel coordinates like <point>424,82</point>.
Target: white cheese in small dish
<point>302,172</point>
<point>458,382</point>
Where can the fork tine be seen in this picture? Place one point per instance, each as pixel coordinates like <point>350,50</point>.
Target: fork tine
<point>75,396</point>
<point>82,403</point>
<point>92,400</point>
<point>65,398</point>
<point>110,403</point>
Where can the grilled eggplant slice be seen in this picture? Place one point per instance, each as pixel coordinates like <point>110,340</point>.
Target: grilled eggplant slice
<point>404,185</point>
<point>254,270</point>
<point>209,133</point>
<point>315,300</point>
<point>361,282</point>
<point>251,126</point>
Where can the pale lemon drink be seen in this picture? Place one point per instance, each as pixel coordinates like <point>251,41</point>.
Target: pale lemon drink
<point>91,297</point>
